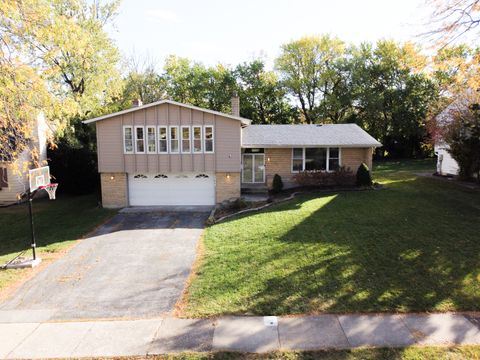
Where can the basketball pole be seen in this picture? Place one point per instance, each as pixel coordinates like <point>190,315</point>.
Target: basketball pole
<point>32,228</point>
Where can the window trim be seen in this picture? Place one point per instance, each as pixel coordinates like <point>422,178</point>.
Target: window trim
<point>189,139</point>
<point>166,139</point>
<point>315,147</point>
<point>205,139</point>
<point>170,139</point>
<point>136,139</point>
<point>155,139</point>
<point>201,139</point>
<point>124,140</point>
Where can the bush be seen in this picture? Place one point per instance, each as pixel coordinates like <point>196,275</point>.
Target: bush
<point>277,184</point>
<point>363,176</point>
<point>341,177</point>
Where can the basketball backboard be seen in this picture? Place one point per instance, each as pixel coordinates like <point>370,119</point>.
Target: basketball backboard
<point>39,177</point>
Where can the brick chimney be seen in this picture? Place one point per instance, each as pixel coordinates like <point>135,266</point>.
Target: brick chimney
<point>235,104</point>
<point>136,103</point>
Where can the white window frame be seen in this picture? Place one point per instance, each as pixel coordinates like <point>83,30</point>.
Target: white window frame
<point>154,140</point>
<point>170,139</point>
<point>124,140</point>
<point>189,139</point>
<point>327,159</point>
<point>193,139</point>
<point>205,139</point>
<point>137,140</point>
<point>166,139</point>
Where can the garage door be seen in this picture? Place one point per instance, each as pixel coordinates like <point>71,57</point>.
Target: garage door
<point>171,189</point>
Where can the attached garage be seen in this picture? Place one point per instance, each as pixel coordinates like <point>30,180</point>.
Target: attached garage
<point>171,189</point>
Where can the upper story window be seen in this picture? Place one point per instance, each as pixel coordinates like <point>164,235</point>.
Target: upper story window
<point>185,139</point>
<point>208,139</point>
<point>151,140</point>
<point>128,139</point>
<point>162,140</point>
<point>315,159</point>
<point>197,139</point>
<point>139,139</point>
<point>174,139</point>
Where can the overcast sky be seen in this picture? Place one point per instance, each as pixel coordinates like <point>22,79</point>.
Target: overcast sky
<point>230,32</point>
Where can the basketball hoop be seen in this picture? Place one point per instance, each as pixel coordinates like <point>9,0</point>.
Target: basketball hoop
<point>50,189</point>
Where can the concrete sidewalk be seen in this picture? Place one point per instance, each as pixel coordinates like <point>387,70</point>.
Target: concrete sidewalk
<point>249,334</point>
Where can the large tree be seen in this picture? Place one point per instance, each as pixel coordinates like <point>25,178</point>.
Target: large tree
<point>308,68</point>
<point>262,97</point>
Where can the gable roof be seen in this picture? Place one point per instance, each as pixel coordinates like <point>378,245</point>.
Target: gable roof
<point>171,102</point>
<point>345,135</point>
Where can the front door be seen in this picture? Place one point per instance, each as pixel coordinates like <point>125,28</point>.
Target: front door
<point>253,170</point>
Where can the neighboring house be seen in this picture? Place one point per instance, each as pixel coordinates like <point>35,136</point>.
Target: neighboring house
<point>14,174</point>
<point>168,153</point>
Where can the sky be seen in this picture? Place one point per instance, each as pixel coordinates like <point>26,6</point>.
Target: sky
<point>231,32</point>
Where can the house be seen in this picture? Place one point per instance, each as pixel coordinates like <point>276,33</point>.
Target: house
<point>14,173</point>
<point>168,153</point>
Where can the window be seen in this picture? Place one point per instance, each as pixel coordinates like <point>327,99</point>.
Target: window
<point>173,139</point>
<point>208,139</point>
<point>162,140</point>
<point>127,139</point>
<point>202,176</point>
<point>139,139</point>
<point>185,139</point>
<point>315,159</point>
<point>161,176</point>
<point>197,139</point>
<point>151,140</point>
<point>140,176</point>
<point>333,159</point>
<point>297,159</point>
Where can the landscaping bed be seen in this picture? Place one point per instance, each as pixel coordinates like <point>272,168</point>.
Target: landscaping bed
<point>413,247</point>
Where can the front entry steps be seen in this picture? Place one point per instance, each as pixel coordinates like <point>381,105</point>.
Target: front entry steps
<point>255,192</point>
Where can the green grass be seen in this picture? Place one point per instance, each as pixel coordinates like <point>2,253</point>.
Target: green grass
<point>413,246</point>
<point>57,224</point>
<point>411,353</point>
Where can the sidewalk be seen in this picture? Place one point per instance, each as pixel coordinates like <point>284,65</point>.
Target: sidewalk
<point>249,334</point>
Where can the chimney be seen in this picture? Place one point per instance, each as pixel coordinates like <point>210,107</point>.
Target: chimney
<point>235,104</point>
<point>136,103</point>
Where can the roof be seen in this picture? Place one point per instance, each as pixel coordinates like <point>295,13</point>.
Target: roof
<point>171,102</point>
<point>344,135</point>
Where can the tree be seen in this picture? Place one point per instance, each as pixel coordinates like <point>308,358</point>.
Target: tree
<point>391,96</point>
<point>307,68</point>
<point>462,134</point>
<point>452,19</point>
<point>262,98</point>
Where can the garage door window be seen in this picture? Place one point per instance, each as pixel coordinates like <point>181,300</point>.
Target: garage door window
<point>161,176</point>
<point>174,139</point>
<point>140,176</point>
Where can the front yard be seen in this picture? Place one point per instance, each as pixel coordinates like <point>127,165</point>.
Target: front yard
<point>57,224</point>
<point>414,246</point>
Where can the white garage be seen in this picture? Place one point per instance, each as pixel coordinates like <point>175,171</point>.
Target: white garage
<point>171,189</point>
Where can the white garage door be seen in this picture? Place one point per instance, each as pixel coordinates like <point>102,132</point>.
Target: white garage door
<point>171,189</point>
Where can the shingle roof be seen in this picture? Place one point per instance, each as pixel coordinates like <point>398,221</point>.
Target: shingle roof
<point>346,135</point>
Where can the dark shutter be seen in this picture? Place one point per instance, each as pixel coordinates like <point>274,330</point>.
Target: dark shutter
<point>3,178</point>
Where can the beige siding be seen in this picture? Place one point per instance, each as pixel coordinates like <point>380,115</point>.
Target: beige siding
<point>279,161</point>
<point>17,181</point>
<point>111,158</point>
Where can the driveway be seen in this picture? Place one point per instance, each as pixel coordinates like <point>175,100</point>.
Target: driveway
<point>134,266</point>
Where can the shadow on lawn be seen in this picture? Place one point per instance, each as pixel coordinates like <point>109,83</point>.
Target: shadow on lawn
<point>393,252</point>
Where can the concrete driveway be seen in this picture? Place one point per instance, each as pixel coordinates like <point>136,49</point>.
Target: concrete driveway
<point>134,266</point>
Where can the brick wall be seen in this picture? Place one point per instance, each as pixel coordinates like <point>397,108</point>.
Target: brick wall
<point>114,190</point>
<point>227,188</point>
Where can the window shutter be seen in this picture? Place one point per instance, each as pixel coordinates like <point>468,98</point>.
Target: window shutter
<point>3,178</point>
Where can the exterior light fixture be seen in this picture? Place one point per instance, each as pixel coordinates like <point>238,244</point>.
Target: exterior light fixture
<point>112,177</point>
<point>228,175</point>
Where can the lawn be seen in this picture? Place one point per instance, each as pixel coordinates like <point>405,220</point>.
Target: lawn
<point>413,246</point>
<point>57,224</point>
<point>412,353</point>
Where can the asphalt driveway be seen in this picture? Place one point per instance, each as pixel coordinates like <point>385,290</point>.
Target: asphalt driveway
<point>134,266</point>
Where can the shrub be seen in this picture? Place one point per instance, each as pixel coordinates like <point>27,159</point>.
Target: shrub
<point>277,184</point>
<point>363,176</point>
<point>341,177</point>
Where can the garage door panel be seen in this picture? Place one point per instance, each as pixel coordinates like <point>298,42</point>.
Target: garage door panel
<point>171,189</point>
